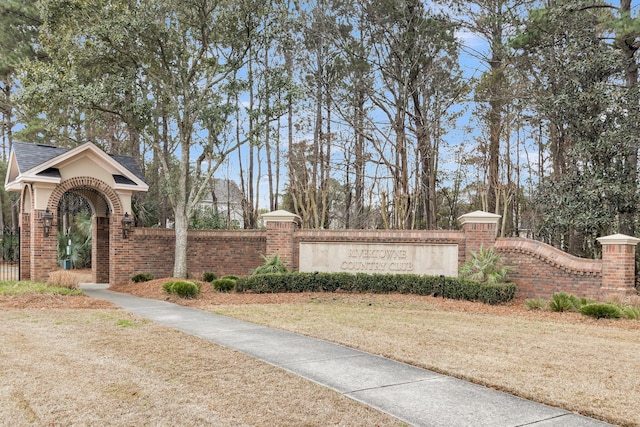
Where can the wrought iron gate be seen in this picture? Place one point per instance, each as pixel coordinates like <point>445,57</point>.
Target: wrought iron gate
<point>10,255</point>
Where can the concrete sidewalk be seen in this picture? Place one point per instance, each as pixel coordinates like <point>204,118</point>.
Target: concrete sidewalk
<point>415,396</point>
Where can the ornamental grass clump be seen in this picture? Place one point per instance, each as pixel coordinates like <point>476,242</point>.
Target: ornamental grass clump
<point>272,265</point>
<point>183,289</point>
<point>63,279</point>
<point>536,304</point>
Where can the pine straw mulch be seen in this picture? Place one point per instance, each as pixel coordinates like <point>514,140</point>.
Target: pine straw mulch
<point>209,298</point>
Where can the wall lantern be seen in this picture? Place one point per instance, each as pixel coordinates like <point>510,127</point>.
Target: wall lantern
<point>127,222</point>
<point>47,222</point>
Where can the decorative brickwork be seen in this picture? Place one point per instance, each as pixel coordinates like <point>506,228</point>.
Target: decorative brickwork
<point>540,270</point>
<point>85,182</point>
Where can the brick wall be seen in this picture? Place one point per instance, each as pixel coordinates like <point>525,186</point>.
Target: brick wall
<point>540,270</point>
<point>151,250</point>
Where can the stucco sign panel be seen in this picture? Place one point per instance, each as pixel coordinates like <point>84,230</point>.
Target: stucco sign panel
<point>379,258</point>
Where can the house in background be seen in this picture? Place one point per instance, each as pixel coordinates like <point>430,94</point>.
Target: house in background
<point>225,198</point>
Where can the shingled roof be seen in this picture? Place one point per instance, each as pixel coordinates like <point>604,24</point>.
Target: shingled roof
<point>38,161</point>
<point>30,156</point>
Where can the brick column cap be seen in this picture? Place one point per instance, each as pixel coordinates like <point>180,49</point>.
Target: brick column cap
<point>479,217</point>
<point>618,239</point>
<point>280,216</point>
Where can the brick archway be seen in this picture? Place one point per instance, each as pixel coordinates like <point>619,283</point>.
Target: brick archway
<point>85,182</point>
<point>103,201</point>
<point>43,174</point>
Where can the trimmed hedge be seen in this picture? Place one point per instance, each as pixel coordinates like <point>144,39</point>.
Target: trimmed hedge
<point>455,288</point>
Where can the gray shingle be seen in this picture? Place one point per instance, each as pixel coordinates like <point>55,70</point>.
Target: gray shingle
<point>29,156</point>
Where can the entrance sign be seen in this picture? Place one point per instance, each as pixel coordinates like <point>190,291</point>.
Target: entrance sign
<point>428,259</point>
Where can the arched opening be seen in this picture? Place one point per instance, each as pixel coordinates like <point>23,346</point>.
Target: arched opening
<point>83,231</point>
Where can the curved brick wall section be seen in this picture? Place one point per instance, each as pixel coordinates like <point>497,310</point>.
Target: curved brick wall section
<point>223,252</point>
<point>379,236</point>
<point>540,270</point>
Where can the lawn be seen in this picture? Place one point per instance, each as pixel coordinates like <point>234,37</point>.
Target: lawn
<point>105,367</point>
<point>563,359</point>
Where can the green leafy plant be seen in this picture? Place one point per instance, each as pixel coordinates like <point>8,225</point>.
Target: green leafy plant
<point>484,266</point>
<point>223,285</point>
<point>536,304</point>
<point>209,276</point>
<point>183,289</point>
<point>632,313</point>
<point>601,310</point>
<point>230,276</point>
<point>271,265</point>
<point>80,237</point>
<point>142,277</point>
<point>564,302</point>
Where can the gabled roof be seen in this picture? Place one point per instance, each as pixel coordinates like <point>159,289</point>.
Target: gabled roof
<point>39,163</point>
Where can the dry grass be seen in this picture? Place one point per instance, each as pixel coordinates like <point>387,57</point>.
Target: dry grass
<point>107,367</point>
<point>64,279</point>
<point>564,360</point>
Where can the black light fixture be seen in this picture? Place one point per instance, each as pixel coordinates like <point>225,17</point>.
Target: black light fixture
<point>127,222</point>
<point>47,221</point>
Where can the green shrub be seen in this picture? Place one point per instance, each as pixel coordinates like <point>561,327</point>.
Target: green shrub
<point>564,302</point>
<point>271,265</point>
<point>209,276</point>
<point>632,313</point>
<point>601,310</point>
<point>230,276</point>
<point>142,277</point>
<point>451,287</point>
<point>484,266</point>
<point>536,304</point>
<point>223,285</point>
<point>183,289</point>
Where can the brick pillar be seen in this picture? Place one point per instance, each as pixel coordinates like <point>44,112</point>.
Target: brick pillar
<point>121,251</point>
<point>100,250</point>
<point>25,247</point>
<point>44,250</point>
<point>281,226</point>
<point>618,264</point>
<point>480,230</point>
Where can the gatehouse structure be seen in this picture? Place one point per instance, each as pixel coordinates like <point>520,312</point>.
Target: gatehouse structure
<point>43,175</point>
